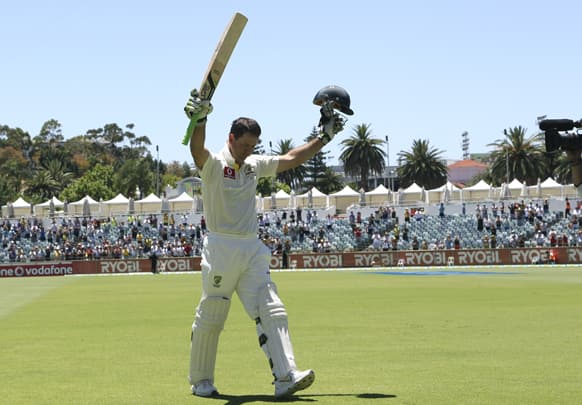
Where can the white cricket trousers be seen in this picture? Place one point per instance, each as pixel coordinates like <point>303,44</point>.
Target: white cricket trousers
<point>234,263</point>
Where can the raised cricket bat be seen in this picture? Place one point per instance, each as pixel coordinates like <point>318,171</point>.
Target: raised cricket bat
<point>217,65</point>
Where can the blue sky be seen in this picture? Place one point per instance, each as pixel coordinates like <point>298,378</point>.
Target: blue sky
<point>414,70</point>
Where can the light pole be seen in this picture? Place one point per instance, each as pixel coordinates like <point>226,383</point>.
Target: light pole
<point>388,179</point>
<point>158,170</point>
<point>274,180</point>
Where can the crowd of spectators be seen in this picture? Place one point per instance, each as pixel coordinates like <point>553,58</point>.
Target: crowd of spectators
<point>29,239</point>
<point>491,225</point>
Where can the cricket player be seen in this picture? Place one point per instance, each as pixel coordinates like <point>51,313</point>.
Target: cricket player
<point>233,258</point>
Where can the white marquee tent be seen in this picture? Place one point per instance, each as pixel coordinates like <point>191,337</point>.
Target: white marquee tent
<point>445,193</point>
<point>86,206</point>
<point>344,198</point>
<point>313,199</point>
<point>282,201</point>
<point>18,208</point>
<point>411,194</point>
<point>379,196</point>
<point>115,206</point>
<point>48,207</point>
<point>183,202</point>
<point>477,192</point>
<point>152,204</point>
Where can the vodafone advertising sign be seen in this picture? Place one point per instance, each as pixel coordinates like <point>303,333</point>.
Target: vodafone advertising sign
<point>423,258</point>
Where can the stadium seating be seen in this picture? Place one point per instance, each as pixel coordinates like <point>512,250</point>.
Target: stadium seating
<point>29,239</point>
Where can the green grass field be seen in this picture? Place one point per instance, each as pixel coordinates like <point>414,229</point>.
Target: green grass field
<point>373,338</point>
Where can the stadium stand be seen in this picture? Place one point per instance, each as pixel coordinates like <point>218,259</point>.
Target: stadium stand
<point>484,225</point>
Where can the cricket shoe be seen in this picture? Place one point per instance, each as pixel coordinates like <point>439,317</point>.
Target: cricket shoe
<point>204,388</point>
<point>293,382</point>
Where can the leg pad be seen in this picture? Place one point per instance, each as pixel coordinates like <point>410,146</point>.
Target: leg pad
<point>210,318</point>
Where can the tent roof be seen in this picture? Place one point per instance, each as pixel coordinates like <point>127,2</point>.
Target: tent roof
<point>47,203</point>
<point>314,192</point>
<point>346,191</point>
<point>549,182</point>
<point>481,185</point>
<point>150,198</point>
<point>515,183</point>
<point>82,201</point>
<point>281,194</point>
<point>380,190</point>
<point>413,188</point>
<point>182,197</point>
<point>20,202</point>
<point>119,198</point>
<point>448,185</point>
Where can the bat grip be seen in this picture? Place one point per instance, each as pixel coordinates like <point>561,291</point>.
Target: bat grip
<point>190,129</point>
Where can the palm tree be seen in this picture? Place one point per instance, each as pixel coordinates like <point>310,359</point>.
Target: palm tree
<point>422,165</point>
<point>362,154</point>
<point>293,177</point>
<point>58,172</point>
<point>517,157</point>
<point>41,187</point>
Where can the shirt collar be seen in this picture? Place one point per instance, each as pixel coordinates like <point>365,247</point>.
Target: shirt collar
<point>228,158</point>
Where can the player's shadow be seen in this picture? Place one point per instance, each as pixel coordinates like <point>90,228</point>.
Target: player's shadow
<point>245,399</point>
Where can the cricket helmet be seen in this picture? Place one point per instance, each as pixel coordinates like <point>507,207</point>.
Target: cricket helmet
<point>337,94</point>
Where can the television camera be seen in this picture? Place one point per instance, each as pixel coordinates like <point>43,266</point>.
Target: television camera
<point>565,140</point>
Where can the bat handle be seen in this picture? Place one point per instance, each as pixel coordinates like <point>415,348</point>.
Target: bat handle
<point>190,129</point>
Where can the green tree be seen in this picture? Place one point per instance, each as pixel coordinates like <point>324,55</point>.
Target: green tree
<point>14,170</point>
<point>517,156</point>
<point>96,183</point>
<point>423,165</point>
<point>134,174</point>
<point>41,187</point>
<point>315,168</point>
<point>362,155</point>
<point>48,144</point>
<point>330,182</point>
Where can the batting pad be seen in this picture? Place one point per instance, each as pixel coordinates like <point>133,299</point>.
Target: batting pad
<point>209,322</point>
<point>273,331</point>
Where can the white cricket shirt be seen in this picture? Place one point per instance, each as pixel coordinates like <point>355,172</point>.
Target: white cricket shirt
<point>229,192</point>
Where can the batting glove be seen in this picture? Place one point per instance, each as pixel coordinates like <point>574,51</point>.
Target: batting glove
<point>330,123</point>
<point>197,107</point>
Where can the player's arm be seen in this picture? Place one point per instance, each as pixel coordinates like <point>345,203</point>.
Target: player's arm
<point>299,155</point>
<point>329,125</point>
<point>198,107</point>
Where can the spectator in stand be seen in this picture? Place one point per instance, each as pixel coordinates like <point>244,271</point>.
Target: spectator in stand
<point>406,215</point>
<point>329,222</point>
<point>299,211</point>
<point>448,242</point>
<point>479,223</point>
<point>358,234</point>
<point>376,241</point>
<point>386,243</point>
<point>540,239</point>
<point>457,242</point>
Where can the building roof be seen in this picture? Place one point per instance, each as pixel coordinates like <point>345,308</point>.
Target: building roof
<point>467,163</point>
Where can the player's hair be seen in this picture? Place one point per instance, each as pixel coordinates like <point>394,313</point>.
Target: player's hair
<point>242,125</point>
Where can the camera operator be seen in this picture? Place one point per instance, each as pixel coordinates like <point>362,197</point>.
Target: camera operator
<point>575,157</point>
